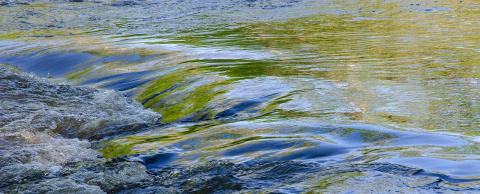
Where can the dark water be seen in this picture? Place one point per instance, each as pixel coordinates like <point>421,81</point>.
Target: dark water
<point>251,96</point>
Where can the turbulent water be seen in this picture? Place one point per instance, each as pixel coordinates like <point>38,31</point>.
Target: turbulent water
<point>239,96</point>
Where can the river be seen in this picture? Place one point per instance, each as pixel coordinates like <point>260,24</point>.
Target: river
<point>240,96</point>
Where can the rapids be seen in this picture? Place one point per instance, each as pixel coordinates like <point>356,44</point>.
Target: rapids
<point>239,96</point>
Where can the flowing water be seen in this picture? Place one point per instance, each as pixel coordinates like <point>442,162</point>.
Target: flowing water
<point>280,96</point>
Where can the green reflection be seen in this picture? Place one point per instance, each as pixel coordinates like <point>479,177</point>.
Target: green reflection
<point>122,147</point>
<point>159,95</point>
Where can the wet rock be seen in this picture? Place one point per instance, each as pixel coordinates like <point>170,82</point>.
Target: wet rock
<point>23,173</point>
<point>59,185</point>
<point>37,120</point>
<point>121,176</point>
<point>27,147</point>
<point>34,104</point>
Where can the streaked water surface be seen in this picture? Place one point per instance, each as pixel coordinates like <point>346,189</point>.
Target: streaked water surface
<point>320,83</point>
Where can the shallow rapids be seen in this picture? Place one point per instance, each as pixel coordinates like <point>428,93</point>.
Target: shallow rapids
<point>240,96</point>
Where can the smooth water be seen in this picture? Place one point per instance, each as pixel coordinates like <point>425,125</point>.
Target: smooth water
<point>285,96</point>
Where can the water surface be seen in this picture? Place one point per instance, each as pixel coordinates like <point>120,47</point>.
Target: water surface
<point>328,93</point>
